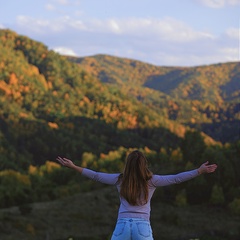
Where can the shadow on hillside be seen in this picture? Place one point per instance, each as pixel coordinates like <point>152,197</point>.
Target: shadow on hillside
<point>224,131</point>
<point>164,83</point>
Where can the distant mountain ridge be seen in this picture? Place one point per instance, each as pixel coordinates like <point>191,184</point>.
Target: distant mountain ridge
<point>216,82</point>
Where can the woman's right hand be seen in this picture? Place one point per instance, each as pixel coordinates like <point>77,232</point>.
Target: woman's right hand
<point>65,162</point>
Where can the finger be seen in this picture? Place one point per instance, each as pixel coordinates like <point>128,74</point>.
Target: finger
<point>212,168</point>
<point>60,160</point>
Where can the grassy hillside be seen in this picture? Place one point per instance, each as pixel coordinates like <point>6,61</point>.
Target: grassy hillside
<point>92,216</point>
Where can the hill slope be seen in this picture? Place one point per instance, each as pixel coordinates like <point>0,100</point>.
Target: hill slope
<point>206,97</point>
<point>216,82</point>
<point>92,216</point>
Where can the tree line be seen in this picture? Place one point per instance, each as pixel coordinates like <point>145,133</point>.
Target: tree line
<point>50,181</point>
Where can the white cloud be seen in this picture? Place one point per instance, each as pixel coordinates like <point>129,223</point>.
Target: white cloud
<point>114,26</point>
<point>193,59</point>
<point>65,51</point>
<point>164,41</point>
<point>230,54</point>
<point>56,25</point>
<point>233,33</point>
<point>50,7</point>
<point>177,31</point>
<point>167,29</point>
<point>233,2</point>
<point>32,24</point>
<point>62,2</point>
<point>67,2</point>
<point>219,3</point>
<point>213,3</point>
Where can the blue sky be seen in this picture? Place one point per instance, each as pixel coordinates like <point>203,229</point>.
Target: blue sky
<point>160,32</point>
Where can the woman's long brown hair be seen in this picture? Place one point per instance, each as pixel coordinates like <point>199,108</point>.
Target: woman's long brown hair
<point>134,179</point>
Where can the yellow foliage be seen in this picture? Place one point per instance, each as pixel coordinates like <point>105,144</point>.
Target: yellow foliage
<point>4,87</point>
<point>23,115</point>
<point>43,81</point>
<point>18,42</point>
<point>50,86</point>
<point>66,96</point>
<point>163,151</point>
<point>26,89</point>
<point>44,55</point>
<point>176,155</point>
<point>81,103</point>
<point>55,93</point>
<point>2,65</point>
<point>53,125</point>
<point>86,99</point>
<point>147,150</point>
<point>102,155</point>
<point>24,179</point>
<point>13,79</point>
<point>50,166</point>
<point>16,95</point>
<point>193,120</point>
<point>18,176</point>
<point>32,170</point>
<point>34,70</point>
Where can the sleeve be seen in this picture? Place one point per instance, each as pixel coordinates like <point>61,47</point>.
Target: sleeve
<point>106,178</point>
<point>164,180</point>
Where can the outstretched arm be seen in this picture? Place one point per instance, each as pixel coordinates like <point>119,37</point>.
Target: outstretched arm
<point>68,163</point>
<point>164,180</point>
<point>107,178</point>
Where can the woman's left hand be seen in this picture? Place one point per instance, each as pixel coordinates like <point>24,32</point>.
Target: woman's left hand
<point>205,168</point>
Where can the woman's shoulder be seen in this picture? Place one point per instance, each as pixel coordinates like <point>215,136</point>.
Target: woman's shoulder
<point>152,180</point>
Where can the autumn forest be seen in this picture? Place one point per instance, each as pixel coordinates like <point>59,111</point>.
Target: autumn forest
<point>95,109</point>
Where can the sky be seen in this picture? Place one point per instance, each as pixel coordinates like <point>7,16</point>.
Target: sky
<point>159,32</point>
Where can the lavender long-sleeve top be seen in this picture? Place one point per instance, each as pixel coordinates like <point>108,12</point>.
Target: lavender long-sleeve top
<point>127,210</point>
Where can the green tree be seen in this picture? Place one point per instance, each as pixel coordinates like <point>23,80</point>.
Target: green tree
<point>193,147</point>
<point>15,188</point>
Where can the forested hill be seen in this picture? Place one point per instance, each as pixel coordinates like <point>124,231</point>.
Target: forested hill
<point>50,105</point>
<point>203,97</point>
<point>216,83</point>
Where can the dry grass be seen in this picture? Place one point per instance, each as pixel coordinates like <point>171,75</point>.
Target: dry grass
<point>92,216</point>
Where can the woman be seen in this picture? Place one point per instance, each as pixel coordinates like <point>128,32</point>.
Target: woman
<point>136,186</point>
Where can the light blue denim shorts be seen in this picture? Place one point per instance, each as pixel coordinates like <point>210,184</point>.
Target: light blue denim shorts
<point>132,229</point>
